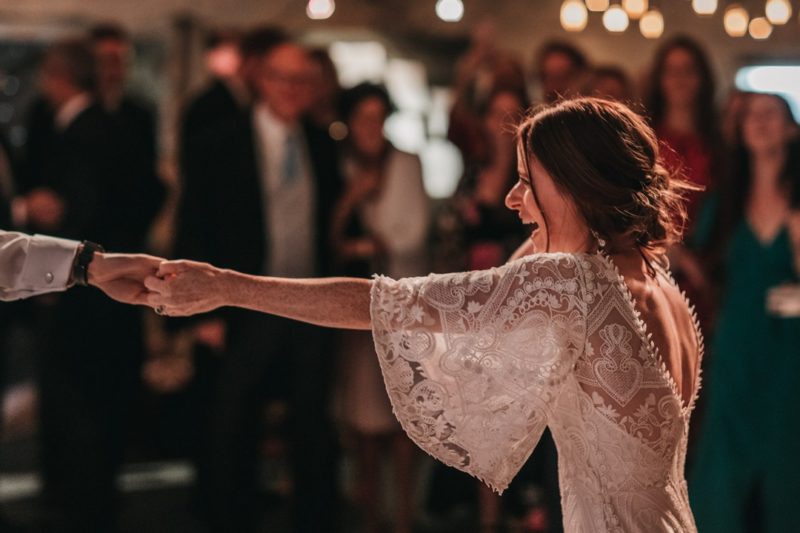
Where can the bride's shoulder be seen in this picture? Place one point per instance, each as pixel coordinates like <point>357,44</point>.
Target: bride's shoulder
<point>563,260</point>
<point>591,272</point>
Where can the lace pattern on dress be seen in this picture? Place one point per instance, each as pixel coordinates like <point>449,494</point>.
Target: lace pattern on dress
<point>474,361</point>
<point>476,364</point>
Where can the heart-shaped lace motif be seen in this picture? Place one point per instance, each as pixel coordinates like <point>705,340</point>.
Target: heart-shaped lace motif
<point>619,374</point>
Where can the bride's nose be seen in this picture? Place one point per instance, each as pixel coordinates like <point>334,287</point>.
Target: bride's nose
<point>514,198</point>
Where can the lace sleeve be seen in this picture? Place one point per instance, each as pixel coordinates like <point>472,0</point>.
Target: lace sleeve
<point>473,362</point>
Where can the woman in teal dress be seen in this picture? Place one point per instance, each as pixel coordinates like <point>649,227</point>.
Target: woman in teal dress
<point>747,466</point>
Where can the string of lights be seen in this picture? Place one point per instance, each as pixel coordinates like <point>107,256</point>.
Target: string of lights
<point>617,15</point>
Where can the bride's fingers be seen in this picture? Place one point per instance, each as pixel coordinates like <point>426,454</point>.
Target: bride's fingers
<point>156,300</point>
<point>157,285</point>
<point>167,268</point>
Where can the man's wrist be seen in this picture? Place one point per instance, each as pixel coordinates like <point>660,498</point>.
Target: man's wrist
<point>86,253</point>
<point>95,268</point>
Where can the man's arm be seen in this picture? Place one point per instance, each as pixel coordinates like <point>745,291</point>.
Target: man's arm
<point>31,265</point>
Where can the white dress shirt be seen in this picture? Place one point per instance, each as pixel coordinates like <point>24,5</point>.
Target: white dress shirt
<point>71,109</point>
<point>31,265</point>
<point>290,205</point>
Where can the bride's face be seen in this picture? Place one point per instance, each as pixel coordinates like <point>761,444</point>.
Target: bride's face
<point>532,207</point>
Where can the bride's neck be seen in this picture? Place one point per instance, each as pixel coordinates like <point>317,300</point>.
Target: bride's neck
<point>572,239</point>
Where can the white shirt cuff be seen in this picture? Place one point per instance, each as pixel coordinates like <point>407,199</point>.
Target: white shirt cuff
<point>48,264</point>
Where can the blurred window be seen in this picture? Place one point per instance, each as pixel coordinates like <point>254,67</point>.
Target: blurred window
<point>782,79</point>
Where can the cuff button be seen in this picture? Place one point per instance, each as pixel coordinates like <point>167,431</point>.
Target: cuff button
<point>49,277</point>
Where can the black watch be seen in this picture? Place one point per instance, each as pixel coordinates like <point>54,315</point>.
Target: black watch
<point>80,269</point>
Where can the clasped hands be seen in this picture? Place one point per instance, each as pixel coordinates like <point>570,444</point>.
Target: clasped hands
<point>174,288</point>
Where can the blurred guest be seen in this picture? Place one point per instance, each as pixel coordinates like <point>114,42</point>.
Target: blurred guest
<point>731,116</point>
<point>88,373</point>
<point>40,135</point>
<point>481,70</point>
<point>259,200</point>
<point>225,96</point>
<point>680,102</point>
<point>223,59</point>
<point>610,82</point>
<point>232,63</point>
<point>486,232</point>
<point>747,453</point>
<point>561,69</point>
<point>131,125</point>
<point>112,50</point>
<point>36,208</point>
<point>324,109</point>
<point>380,225</point>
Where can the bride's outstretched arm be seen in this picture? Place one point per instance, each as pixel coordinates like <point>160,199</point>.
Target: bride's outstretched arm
<point>184,288</point>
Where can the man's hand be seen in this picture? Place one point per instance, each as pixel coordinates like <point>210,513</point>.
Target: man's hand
<point>121,276</point>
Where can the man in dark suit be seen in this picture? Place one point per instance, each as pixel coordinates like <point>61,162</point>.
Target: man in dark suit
<point>259,201</point>
<point>90,369</point>
<point>131,122</point>
<point>225,95</point>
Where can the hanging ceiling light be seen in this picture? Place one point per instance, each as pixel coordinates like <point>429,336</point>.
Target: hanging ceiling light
<point>778,11</point>
<point>635,8</point>
<point>597,5</point>
<point>320,9</point>
<point>704,7</point>
<point>735,20</point>
<point>615,19</point>
<point>449,10</point>
<point>760,28</point>
<point>574,16</point>
<point>652,24</point>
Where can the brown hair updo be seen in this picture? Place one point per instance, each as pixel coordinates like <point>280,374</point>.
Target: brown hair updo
<point>605,157</point>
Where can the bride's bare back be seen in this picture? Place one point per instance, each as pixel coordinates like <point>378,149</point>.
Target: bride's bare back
<point>668,319</point>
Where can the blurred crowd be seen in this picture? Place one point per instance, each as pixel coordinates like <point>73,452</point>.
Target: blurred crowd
<point>283,172</point>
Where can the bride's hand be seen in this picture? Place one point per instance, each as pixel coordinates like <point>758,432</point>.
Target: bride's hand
<point>183,288</point>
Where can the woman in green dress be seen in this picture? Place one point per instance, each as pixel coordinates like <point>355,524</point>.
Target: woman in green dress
<point>747,466</point>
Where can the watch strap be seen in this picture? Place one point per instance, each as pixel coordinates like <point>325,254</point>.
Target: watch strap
<point>80,271</point>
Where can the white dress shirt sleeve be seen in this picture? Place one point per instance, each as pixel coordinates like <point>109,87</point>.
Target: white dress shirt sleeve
<point>31,265</point>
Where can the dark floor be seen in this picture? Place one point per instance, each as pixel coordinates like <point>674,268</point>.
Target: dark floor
<point>157,499</point>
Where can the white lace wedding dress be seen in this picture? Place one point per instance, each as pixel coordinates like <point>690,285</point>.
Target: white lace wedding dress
<point>477,364</point>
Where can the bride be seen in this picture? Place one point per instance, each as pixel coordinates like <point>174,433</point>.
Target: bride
<point>583,331</point>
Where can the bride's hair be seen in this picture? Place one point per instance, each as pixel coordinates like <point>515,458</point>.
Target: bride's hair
<point>606,158</point>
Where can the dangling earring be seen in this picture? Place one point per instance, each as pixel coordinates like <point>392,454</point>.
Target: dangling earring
<point>601,242</point>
